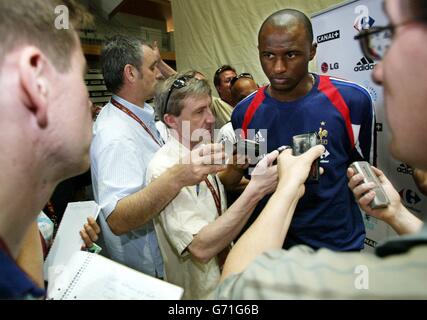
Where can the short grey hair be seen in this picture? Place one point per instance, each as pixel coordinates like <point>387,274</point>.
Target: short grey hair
<point>193,88</point>
<point>118,51</point>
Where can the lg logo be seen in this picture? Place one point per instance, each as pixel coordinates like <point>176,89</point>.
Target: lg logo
<point>326,67</point>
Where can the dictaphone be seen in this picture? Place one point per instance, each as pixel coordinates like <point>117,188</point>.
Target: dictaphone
<point>302,143</point>
<point>381,200</point>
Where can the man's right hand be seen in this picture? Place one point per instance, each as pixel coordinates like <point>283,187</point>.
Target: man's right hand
<point>264,176</point>
<point>200,162</point>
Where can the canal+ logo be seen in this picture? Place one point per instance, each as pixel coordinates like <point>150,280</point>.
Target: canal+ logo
<point>333,35</point>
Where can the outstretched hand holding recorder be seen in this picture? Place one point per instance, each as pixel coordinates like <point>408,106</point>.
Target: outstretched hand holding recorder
<point>381,200</point>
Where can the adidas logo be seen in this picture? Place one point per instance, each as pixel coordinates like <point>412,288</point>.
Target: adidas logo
<point>405,169</point>
<point>324,156</point>
<point>364,64</point>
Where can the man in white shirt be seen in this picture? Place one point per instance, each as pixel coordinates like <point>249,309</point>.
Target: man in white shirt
<point>125,140</point>
<point>195,229</point>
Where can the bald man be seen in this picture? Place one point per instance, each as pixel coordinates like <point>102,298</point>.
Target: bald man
<point>297,102</point>
<point>241,88</point>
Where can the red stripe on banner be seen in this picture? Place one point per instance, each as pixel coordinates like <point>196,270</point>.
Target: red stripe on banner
<point>332,93</point>
<point>256,102</point>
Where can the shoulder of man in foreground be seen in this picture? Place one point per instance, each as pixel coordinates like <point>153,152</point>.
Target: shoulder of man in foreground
<point>302,273</point>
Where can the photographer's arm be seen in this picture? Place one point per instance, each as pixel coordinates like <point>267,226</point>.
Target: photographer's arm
<point>270,228</point>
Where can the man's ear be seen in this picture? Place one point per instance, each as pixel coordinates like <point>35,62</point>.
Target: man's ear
<point>313,50</point>
<point>170,121</point>
<point>130,73</point>
<point>34,68</point>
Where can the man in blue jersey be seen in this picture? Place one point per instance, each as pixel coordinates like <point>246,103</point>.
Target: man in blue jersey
<point>298,102</point>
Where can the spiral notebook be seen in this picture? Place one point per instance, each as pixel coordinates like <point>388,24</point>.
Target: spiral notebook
<point>89,276</point>
<point>67,239</point>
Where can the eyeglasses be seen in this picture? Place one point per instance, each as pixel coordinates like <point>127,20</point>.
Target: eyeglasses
<point>179,83</point>
<point>242,75</point>
<point>375,41</point>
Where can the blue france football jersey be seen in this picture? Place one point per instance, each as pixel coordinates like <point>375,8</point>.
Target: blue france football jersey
<point>327,215</point>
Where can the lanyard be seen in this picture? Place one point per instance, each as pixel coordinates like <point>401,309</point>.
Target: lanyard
<point>222,255</point>
<point>215,195</point>
<point>5,249</point>
<point>134,117</point>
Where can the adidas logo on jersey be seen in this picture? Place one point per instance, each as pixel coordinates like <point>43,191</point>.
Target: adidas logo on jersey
<point>364,64</point>
<point>324,156</point>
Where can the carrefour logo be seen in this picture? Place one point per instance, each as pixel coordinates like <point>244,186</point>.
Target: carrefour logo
<point>410,198</point>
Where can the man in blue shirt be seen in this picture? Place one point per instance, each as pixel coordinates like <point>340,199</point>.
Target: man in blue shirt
<point>297,102</point>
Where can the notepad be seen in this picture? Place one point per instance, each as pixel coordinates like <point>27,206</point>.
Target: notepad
<point>89,276</point>
<point>67,240</point>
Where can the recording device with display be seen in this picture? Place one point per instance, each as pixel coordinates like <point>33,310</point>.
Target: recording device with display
<point>302,143</point>
<point>381,200</point>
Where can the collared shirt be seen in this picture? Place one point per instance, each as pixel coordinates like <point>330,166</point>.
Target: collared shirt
<point>221,111</point>
<point>120,153</point>
<point>14,283</point>
<point>226,133</point>
<point>302,273</point>
<point>177,224</point>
